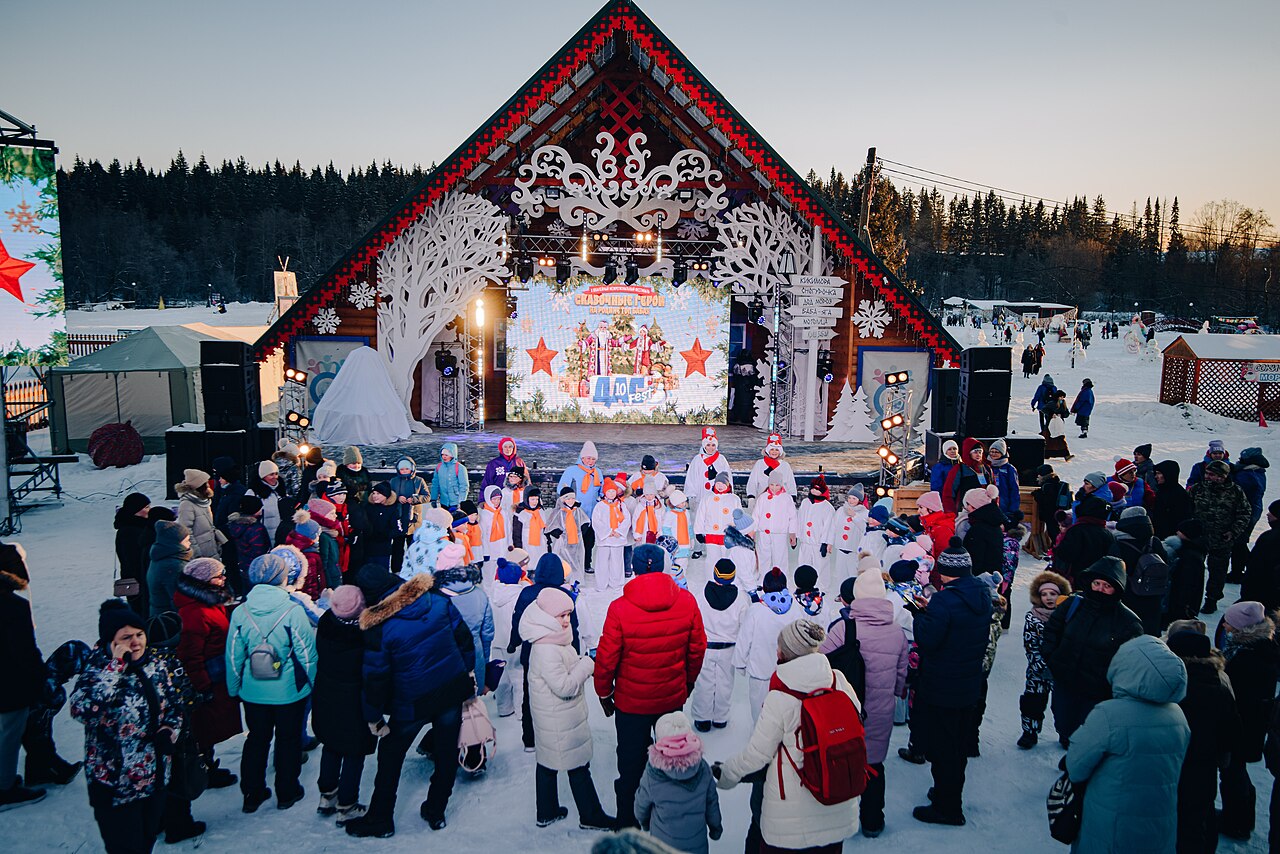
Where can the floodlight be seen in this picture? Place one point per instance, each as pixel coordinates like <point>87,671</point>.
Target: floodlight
<point>294,375</point>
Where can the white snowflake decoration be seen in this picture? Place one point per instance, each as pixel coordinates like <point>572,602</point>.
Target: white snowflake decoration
<point>326,321</point>
<point>692,230</point>
<point>362,295</point>
<point>559,302</point>
<point>558,228</point>
<point>680,299</point>
<point>871,318</point>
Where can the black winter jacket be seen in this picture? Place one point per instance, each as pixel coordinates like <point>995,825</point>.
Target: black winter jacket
<point>1253,669</point>
<point>1172,505</point>
<point>1080,639</point>
<point>985,538</point>
<point>1133,539</point>
<point>951,635</point>
<point>1081,546</point>
<point>1262,573</point>
<point>23,683</point>
<point>1211,713</point>
<point>1186,577</point>
<point>337,715</point>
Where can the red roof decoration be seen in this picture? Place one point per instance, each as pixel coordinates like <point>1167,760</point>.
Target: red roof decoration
<point>618,16</point>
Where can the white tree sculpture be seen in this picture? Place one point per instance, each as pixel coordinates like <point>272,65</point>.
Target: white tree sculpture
<point>921,422</point>
<point>849,421</point>
<point>429,273</point>
<point>753,239</point>
<point>761,419</point>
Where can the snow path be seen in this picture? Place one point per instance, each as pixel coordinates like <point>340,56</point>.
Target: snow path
<point>71,557</point>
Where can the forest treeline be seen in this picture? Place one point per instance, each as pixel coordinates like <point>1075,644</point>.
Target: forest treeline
<point>136,233</point>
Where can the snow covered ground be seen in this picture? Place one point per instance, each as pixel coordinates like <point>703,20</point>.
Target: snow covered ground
<point>71,556</point>
<point>111,320</point>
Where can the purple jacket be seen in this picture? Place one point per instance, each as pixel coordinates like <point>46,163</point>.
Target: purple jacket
<point>884,651</point>
<point>495,474</point>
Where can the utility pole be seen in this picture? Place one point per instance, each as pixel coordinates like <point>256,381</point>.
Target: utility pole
<point>868,187</point>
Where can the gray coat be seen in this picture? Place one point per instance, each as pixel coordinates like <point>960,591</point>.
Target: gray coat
<point>678,805</point>
<point>474,607</point>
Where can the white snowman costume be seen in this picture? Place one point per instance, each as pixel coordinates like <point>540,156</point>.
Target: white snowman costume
<point>697,483</point>
<point>774,459</point>
<point>813,521</point>
<point>775,515</point>
<point>844,534</point>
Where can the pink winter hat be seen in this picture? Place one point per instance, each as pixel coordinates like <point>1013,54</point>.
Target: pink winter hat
<point>975,498</point>
<point>450,556</point>
<point>677,746</point>
<point>913,551</point>
<point>554,601</point>
<point>929,502</point>
<point>203,568</point>
<point>346,601</point>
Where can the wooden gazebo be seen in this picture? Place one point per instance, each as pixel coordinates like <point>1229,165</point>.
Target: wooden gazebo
<point>1237,376</point>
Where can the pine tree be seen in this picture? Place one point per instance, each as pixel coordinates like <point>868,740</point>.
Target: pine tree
<point>849,421</point>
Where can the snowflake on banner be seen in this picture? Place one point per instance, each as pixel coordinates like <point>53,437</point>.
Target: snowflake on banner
<point>691,229</point>
<point>680,299</point>
<point>559,302</point>
<point>362,295</point>
<point>23,218</point>
<point>871,318</point>
<point>326,321</point>
<point>526,324</point>
<point>558,228</point>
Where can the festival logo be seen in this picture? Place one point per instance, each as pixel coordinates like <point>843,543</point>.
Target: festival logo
<point>644,353</point>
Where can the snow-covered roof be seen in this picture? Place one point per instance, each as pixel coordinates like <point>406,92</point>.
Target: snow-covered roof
<point>1211,346</point>
<point>989,304</point>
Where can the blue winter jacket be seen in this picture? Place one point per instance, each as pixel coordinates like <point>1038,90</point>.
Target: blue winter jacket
<point>952,634</point>
<point>938,474</point>
<point>1197,470</point>
<point>269,612</point>
<point>476,612</point>
<point>1006,480</point>
<point>1043,395</point>
<point>450,483</point>
<point>1083,404</point>
<point>418,654</point>
<point>1253,480</point>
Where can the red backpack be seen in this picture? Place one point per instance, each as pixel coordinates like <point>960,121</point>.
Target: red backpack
<point>831,742</point>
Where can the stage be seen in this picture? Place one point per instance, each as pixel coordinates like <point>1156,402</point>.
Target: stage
<point>555,446</point>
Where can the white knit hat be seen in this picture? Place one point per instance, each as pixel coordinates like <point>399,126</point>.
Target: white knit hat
<point>267,467</point>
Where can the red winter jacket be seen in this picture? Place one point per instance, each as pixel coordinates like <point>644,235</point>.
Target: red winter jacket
<point>652,646</point>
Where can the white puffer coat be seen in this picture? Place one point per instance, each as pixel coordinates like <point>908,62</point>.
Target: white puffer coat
<point>757,645</point>
<point>195,513</point>
<point>800,821</point>
<point>503,599</point>
<point>556,698</point>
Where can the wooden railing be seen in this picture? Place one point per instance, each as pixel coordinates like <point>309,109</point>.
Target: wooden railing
<point>27,400</point>
<point>84,344</point>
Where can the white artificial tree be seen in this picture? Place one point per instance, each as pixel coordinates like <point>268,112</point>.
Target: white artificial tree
<point>849,423</point>
<point>753,239</point>
<point>427,276</point>
<point>761,420</point>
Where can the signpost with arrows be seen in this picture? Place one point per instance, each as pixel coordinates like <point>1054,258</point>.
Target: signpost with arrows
<point>813,312</point>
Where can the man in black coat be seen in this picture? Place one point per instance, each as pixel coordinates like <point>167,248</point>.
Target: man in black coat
<point>375,522</point>
<point>1134,538</point>
<point>1187,553</point>
<point>1080,639</point>
<point>1247,637</point>
<point>951,632</point>
<point>1172,503</point>
<point>1085,541</point>
<point>131,528</point>
<point>1262,576</point>
<point>24,674</point>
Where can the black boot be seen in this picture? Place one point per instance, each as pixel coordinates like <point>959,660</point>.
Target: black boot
<point>189,830</point>
<point>56,772</point>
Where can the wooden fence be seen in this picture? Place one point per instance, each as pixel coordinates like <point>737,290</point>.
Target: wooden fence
<point>20,397</point>
<point>84,344</point>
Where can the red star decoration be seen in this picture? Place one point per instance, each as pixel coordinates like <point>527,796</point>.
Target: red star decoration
<point>695,359</point>
<point>542,356</point>
<point>11,269</point>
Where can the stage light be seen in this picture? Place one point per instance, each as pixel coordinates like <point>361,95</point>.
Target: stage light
<point>884,451</point>
<point>632,272</point>
<point>892,459</point>
<point>755,310</point>
<point>680,273</point>
<point>546,261</point>
<point>524,268</point>
<point>881,492</point>
<point>304,449</point>
<point>480,312</point>
<point>297,419</point>
<point>644,237</point>
<point>886,424</point>
<point>294,375</point>
<point>563,270</point>
<point>825,366</point>
<point>897,378</point>
<point>446,363</point>
<point>610,272</point>
<point>684,194</point>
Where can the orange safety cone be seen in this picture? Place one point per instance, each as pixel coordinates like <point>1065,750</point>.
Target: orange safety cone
<point>1262,419</point>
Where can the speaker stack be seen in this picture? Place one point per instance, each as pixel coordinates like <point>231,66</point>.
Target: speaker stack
<point>985,384</point>
<point>944,400</point>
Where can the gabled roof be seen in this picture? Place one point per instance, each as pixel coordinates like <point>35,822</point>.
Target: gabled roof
<point>706,108</point>
<point>156,348</point>
<point>1261,348</point>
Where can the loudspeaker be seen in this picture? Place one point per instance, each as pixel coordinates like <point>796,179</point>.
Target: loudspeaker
<point>986,385</point>
<point>264,445</point>
<point>237,444</point>
<point>933,442</point>
<point>986,359</point>
<point>183,449</point>
<point>1026,454</point>
<point>984,402</point>
<point>944,400</point>
<point>231,397</point>
<point>216,352</point>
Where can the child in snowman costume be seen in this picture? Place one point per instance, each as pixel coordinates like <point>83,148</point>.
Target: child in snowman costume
<point>565,527</point>
<point>722,605</point>
<point>876,539</point>
<point>674,522</point>
<point>848,525</point>
<point>775,515</point>
<point>813,521</point>
<point>647,510</point>
<point>774,459</point>
<point>704,468</point>
<point>714,515</point>
<point>611,522</point>
<point>528,524</point>
<point>513,492</point>
<point>494,538</point>
<point>740,547</point>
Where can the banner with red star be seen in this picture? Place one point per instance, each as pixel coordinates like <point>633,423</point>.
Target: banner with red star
<point>31,297</point>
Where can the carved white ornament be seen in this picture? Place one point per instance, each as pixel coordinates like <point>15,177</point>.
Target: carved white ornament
<point>431,272</point>
<point>362,295</point>
<point>559,228</point>
<point>753,239</point>
<point>621,189</point>
<point>326,321</point>
<point>692,230</point>
<point>871,318</point>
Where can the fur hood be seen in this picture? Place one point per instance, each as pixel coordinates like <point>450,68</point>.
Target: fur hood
<point>677,768</point>
<point>202,591</point>
<point>404,595</point>
<point>1034,590</point>
<point>1017,531</point>
<point>193,494</point>
<point>1263,631</point>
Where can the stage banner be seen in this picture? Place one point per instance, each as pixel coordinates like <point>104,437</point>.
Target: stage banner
<point>33,324</point>
<point>646,353</point>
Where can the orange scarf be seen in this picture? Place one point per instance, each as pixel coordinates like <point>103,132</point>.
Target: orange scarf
<point>615,513</point>
<point>517,495</point>
<point>473,534</point>
<point>591,477</point>
<point>535,528</point>
<point>498,530</point>
<point>682,527</point>
<point>647,516</point>
<point>570,526</point>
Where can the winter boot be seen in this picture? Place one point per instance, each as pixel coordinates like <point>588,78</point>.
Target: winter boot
<point>1210,606</point>
<point>702,726</point>
<point>350,813</point>
<point>559,815</point>
<point>221,778</point>
<point>1027,740</point>
<point>57,772</point>
<point>600,822</point>
<point>435,822</point>
<point>369,826</point>
<point>252,802</point>
<point>719,724</point>
<point>932,815</point>
<point>286,802</point>
<point>328,803</point>
<point>915,757</point>
<point>19,796</point>
<point>189,830</point>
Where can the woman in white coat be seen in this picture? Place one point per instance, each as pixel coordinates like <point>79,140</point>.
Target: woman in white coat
<point>559,709</point>
<point>799,822</point>
<point>195,513</point>
<point>774,459</point>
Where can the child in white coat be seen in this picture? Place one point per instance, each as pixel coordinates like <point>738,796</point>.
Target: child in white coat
<point>714,515</point>
<point>494,536</point>
<point>511,580</point>
<point>558,706</point>
<point>740,547</point>
<point>611,523</point>
<point>722,606</point>
<point>813,523</point>
<point>529,523</point>
<point>757,649</point>
<point>775,515</point>
<point>774,459</point>
<point>676,522</point>
<point>848,526</point>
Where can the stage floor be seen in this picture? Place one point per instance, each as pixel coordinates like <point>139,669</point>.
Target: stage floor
<point>620,445</point>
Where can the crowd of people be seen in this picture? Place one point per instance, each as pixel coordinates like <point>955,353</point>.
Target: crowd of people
<point>316,606</point>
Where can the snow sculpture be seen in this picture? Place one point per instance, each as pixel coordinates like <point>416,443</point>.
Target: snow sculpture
<point>850,420</point>
<point>753,239</point>
<point>871,318</point>
<point>360,406</point>
<point>430,272</point>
